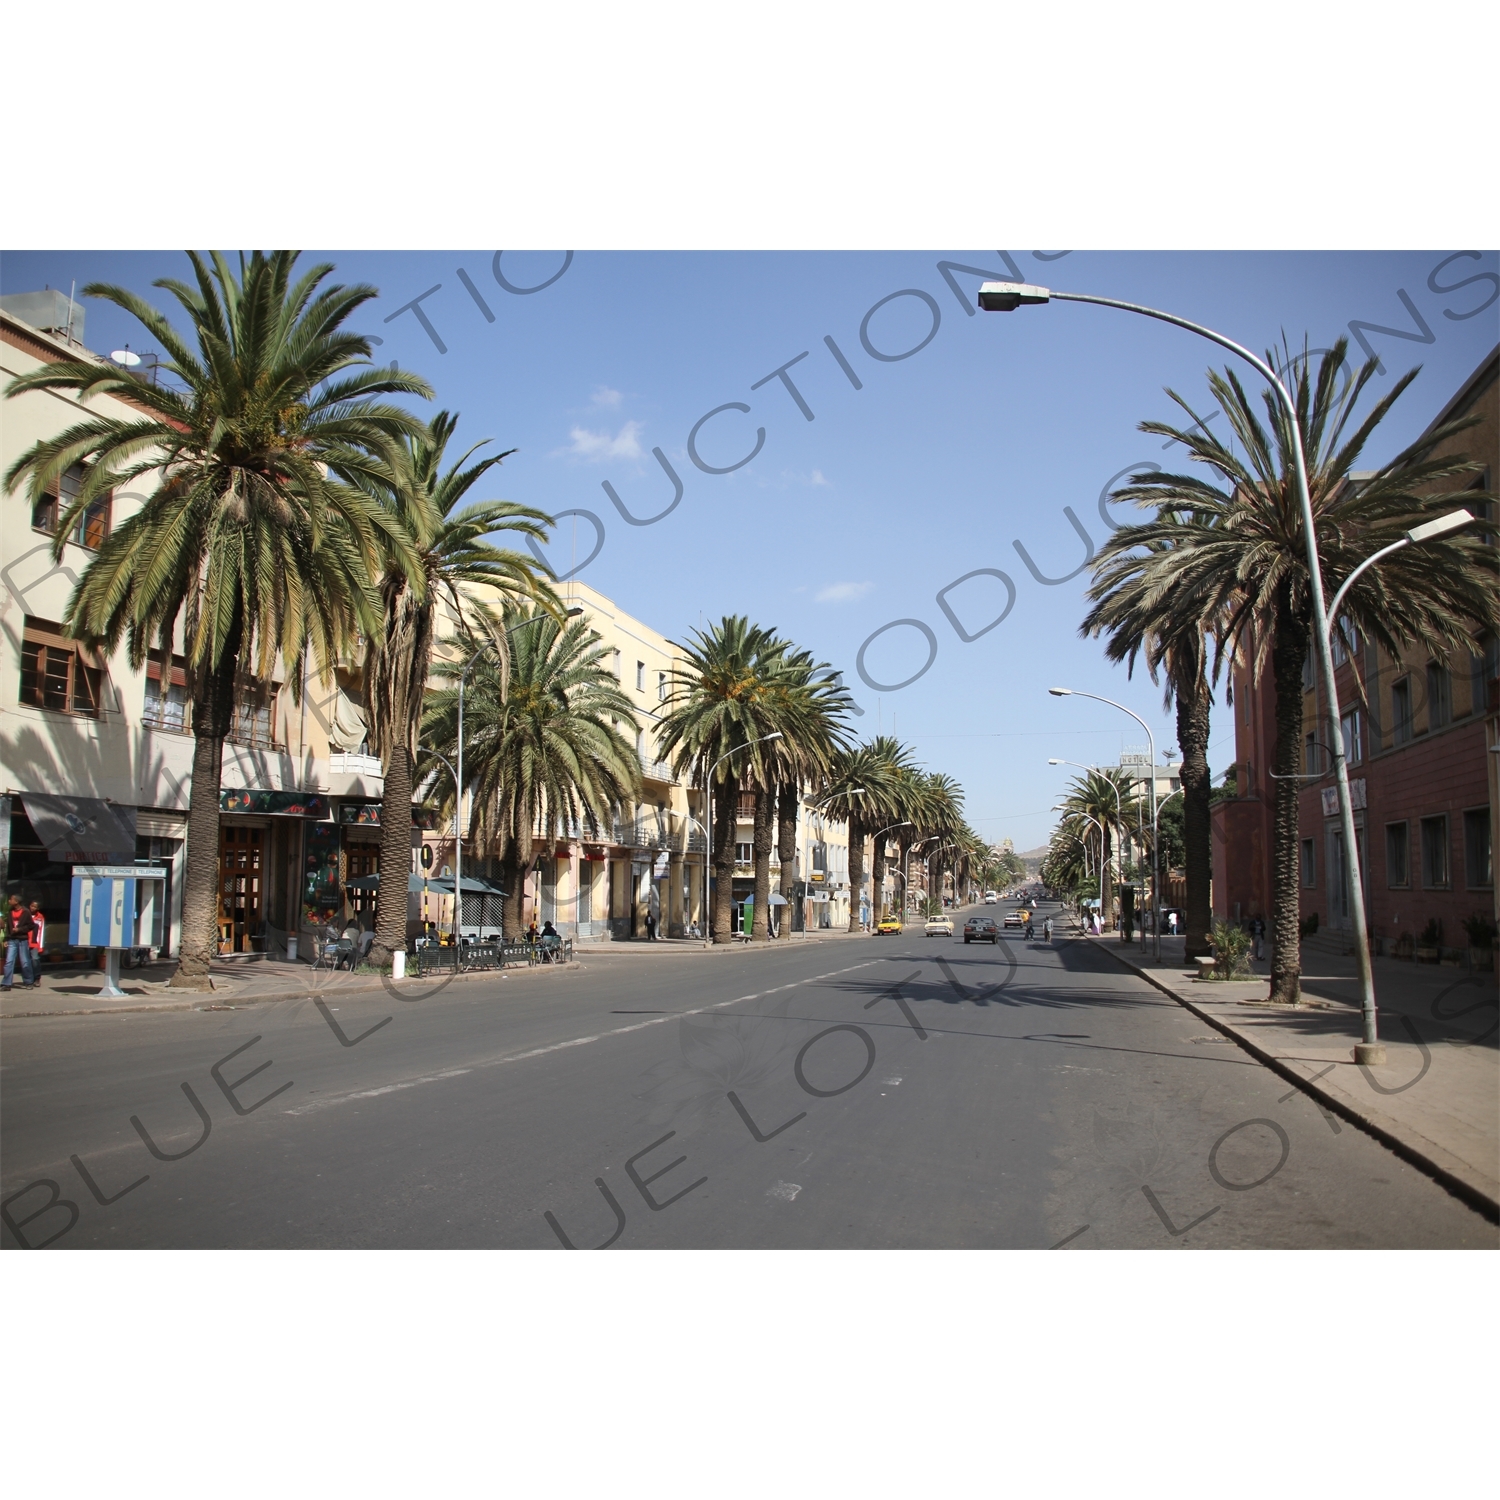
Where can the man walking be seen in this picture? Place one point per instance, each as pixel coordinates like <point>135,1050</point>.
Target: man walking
<point>650,926</point>
<point>18,930</point>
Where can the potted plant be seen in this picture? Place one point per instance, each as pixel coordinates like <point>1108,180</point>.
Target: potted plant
<point>1231,945</point>
<point>1430,942</point>
<point>1482,933</point>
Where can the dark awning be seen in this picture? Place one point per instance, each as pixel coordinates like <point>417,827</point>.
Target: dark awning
<point>372,883</point>
<point>474,885</point>
<point>82,830</point>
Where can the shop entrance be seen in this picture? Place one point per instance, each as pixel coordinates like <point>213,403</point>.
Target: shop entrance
<point>241,889</point>
<point>361,860</point>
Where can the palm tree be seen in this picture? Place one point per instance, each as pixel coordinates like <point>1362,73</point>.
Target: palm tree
<point>1142,620</point>
<point>247,545</point>
<point>935,807</point>
<point>807,706</point>
<point>865,791</point>
<point>719,710</point>
<point>1102,796</point>
<point>543,738</point>
<point>1238,555</point>
<point>457,568</point>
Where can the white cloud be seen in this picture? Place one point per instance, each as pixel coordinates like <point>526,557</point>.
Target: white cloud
<point>842,593</point>
<point>817,478</point>
<point>600,447</point>
<point>604,396</point>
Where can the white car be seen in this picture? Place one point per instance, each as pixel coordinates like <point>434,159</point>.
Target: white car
<point>939,927</point>
<point>990,898</point>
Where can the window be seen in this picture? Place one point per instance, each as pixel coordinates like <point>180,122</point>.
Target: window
<point>640,677</point>
<point>1479,873</point>
<point>1309,863</point>
<point>1435,853</point>
<point>254,722</point>
<point>1397,862</point>
<point>614,662</point>
<point>91,527</point>
<point>820,858</point>
<point>1345,643</point>
<point>1401,710</point>
<point>1484,668</point>
<point>54,675</point>
<point>1439,695</point>
<point>1308,669</point>
<point>1353,738</point>
<point>1311,760</point>
<point>169,711</point>
<point>661,687</point>
<point>742,854</point>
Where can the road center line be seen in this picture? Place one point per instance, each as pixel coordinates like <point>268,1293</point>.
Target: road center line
<point>331,1100</point>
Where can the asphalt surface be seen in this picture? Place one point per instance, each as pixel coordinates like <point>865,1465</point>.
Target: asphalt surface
<point>895,1092</point>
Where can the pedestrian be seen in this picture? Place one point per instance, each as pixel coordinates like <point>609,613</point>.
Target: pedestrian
<point>1047,930</point>
<point>1030,930</point>
<point>1257,932</point>
<point>650,926</point>
<point>1171,924</point>
<point>38,941</point>
<point>18,930</point>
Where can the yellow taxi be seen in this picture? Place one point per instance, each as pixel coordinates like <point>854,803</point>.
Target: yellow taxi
<point>888,924</point>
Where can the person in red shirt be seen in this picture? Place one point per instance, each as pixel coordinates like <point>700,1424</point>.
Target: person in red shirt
<point>18,931</point>
<point>38,940</point>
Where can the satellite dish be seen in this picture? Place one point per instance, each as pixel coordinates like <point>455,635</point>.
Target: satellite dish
<point>125,357</point>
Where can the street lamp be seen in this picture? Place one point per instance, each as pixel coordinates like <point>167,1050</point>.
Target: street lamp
<point>458,780</point>
<point>1155,865</point>
<point>1004,296</point>
<point>708,809</point>
<point>875,844</point>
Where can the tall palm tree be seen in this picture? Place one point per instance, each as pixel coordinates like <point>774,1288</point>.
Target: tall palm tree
<point>1174,642</point>
<point>457,567</point>
<point>1238,554</point>
<point>247,545</point>
<point>544,740</point>
<point>1102,796</point>
<point>865,791</point>
<point>807,706</point>
<point>719,709</point>
<point>935,807</point>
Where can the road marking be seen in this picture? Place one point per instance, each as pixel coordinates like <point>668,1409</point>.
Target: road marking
<point>787,1190</point>
<point>328,1101</point>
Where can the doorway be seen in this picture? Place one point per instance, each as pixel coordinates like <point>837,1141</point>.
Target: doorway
<point>241,889</point>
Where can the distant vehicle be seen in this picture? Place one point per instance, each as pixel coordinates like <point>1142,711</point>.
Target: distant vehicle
<point>1016,918</point>
<point>939,927</point>
<point>990,898</point>
<point>981,930</point>
<point>888,924</point>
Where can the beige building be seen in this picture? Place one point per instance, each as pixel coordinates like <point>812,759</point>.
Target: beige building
<point>100,743</point>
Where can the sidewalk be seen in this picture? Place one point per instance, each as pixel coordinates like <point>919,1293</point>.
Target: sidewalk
<point>74,991</point>
<point>1436,1102</point>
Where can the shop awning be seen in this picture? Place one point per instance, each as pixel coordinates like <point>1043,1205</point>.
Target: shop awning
<point>474,885</point>
<point>372,883</point>
<point>82,830</point>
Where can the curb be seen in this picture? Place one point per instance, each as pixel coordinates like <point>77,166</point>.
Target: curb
<point>220,998</point>
<point>1416,1152</point>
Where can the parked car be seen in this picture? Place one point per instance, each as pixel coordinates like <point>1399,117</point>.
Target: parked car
<point>981,930</point>
<point>888,924</point>
<point>1016,918</point>
<point>939,927</point>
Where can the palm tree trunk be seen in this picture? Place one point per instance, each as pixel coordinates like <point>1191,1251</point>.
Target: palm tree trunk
<point>1288,656</point>
<point>1192,740</point>
<point>212,716</point>
<point>513,874</point>
<point>1106,887</point>
<point>391,902</point>
<point>786,848</point>
<point>765,808</point>
<point>725,811</point>
<point>856,871</point>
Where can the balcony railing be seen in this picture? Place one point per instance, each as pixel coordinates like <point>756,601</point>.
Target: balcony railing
<point>349,763</point>
<point>657,770</point>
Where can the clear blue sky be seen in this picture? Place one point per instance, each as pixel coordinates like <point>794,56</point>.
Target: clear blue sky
<point>936,467</point>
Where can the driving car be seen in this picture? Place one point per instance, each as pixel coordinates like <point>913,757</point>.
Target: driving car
<point>939,927</point>
<point>981,930</point>
<point>888,924</point>
<point>1016,918</point>
<point>990,898</point>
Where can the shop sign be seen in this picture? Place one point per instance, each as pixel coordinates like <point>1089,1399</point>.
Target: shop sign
<point>279,804</point>
<point>359,814</point>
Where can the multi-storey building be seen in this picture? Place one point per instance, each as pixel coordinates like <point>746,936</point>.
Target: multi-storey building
<point>1416,731</point>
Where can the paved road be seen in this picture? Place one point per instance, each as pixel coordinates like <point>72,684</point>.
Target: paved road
<point>893,1092</point>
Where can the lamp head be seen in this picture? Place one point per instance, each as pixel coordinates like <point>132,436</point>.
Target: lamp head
<point>1455,520</point>
<point>1007,296</point>
<point>573,613</point>
<point>1052,760</point>
<point>1061,692</point>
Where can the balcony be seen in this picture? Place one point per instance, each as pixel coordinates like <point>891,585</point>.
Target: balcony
<point>349,763</point>
<point>657,770</point>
